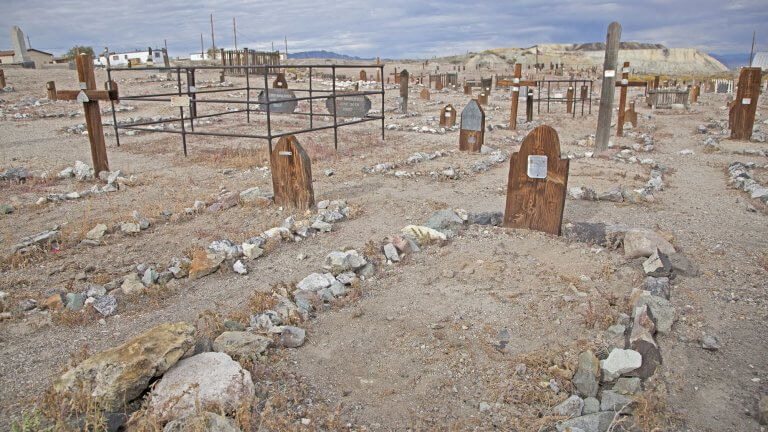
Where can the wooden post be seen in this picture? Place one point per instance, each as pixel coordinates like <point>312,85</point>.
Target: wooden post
<point>569,100</point>
<point>622,99</point>
<point>291,174</point>
<point>482,98</point>
<point>745,104</point>
<point>609,82</point>
<point>363,75</point>
<point>51,87</point>
<point>403,91</point>
<point>467,89</point>
<point>2,79</point>
<point>87,79</point>
<point>472,133</point>
<point>537,182</point>
<point>448,116</point>
<point>631,115</point>
<point>656,81</point>
<point>529,106</point>
<point>515,95</point>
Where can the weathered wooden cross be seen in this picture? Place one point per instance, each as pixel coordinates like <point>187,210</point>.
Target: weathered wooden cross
<point>742,113</point>
<point>472,131</point>
<point>609,81</point>
<point>448,116</point>
<point>291,174</point>
<point>90,97</point>
<point>624,83</point>
<point>537,182</point>
<point>515,83</point>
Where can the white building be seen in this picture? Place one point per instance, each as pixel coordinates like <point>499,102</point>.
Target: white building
<point>199,57</point>
<point>133,58</point>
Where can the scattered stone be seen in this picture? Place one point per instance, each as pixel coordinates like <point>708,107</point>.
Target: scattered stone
<point>179,268</point>
<point>54,302</point>
<point>423,235</point>
<point>487,218</point>
<point>661,311</point>
<point>210,380</point>
<point>313,282</point>
<point>446,221</point>
<point>390,252</point>
<point>130,228</point>
<point>591,406</point>
<point>484,406</point>
<point>338,262</point>
<point>682,265</point>
<point>614,401</point>
<point>709,343</point>
<point>639,242</point>
<point>121,374</point>
<point>239,268</point>
<point>75,301</point>
<point>657,286</point>
<point>619,362</point>
<point>616,330</point>
<point>143,222</point>
<point>242,344</point>
<point>627,386</point>
<point>587,376</point>
<point>328,172</point>
<point>252,251</point>
<point>292,337</point>
<point>150,277</point>
<point>657,265</point>
<point>203,265</point>
<point>322,226</point>
<point>105,305</point>
<point>96,232</point>
<point>570,407</point>
<point>27,305</point>
<point>82,171</point>
<point>597,422</point>
<point>7,209</point>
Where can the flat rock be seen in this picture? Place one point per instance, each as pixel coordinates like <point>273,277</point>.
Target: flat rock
<point>658,286</point>
<point>105,305</point>
<point>205,264</point>
<point>627,386</point>
<point>661,310</point>
<point>292,337</point>
<point>241,344</point>
<point>640,242</point>
<point>587,376</point>
<point>570,407</point>
<point>619,362</point>
<point>121,374</point>
<point>591,406</point>
<point>343,261</point>
<point>614,401</point>
<point>445,220</point>
<point>96,232</point>
<point>210,380</point>
<point>423,235</point>
<point>132,284</point>
<point>682,265</point>
<point>597,422</point>
<point>204,422</point>
<point>313,282</point>
<point>390,252</point>
<point>657,265</point>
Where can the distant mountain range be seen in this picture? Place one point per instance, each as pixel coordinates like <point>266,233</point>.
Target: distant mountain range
<point>322,55</point>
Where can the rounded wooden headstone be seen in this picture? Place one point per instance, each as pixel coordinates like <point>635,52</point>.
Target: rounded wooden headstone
<point>280,82</point>
<point>291,174</point>
<point>482,98</point>
<point>472,130</point>
<point>439,85</point>
<point>363,76</point>
<point>424,94</point>
<point>467,89</point>
<point>537,183</point>
<point>448,116</point>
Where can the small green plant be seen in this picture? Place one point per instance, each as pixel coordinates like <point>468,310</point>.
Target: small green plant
<point>30,422</point>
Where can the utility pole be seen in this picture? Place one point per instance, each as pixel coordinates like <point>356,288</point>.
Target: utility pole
<point>273,46</point>
<point>29,44</point>
<point>286,47</point>
<point>234,30</point>
<point>165,43</point>
<point>213,41</point>
<point>202,47</point>
<point>751,51</point>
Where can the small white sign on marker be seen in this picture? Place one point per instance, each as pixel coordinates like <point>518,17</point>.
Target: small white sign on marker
<point>610,73</point>
<point>746,101</point>
<point>180,101</point>
<point>537,166</point>
<point>285,153</point>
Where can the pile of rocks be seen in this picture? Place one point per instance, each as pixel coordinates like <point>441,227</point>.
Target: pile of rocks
<point>114,181</point>
<point>739,176</point>
<point>390,168</point>
<point>122,107</point>
<point>655,183</point>
<point>495,157</point>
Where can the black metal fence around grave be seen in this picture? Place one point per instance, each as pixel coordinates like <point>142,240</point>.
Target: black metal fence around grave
<point>346,107</point>
<point>582,94</point>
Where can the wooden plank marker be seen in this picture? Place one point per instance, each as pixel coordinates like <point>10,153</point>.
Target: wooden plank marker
<point>472,130</point>
<point>291,174</point>
<point>609,82</point>
<point>529,106</point>
<point>742,113</point>
<point>467,89</point>
<point>280,82</point>
<point>631,115</point>
<point>50,87</point>
<point>482,98</point>
<point>403,100</point>
<point>537,183</point>
<point>622,99</point>
<point>448,116</point>
<point>90,97</point>
<point>569,100</point>
<point>438,84</point>
<point>2,79</point>
<point>424,94</point>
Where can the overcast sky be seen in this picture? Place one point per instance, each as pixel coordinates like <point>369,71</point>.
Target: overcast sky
<point>390,28</point>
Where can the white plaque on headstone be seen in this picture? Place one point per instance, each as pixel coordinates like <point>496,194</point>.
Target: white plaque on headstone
<point>180,101</point>
<point>537,166</point>
<point>746,101</point>
<point>610,73</point>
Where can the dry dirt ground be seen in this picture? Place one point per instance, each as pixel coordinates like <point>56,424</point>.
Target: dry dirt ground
<point>418,348</point>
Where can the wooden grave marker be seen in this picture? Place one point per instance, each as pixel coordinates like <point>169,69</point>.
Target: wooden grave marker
<point>569,100</point>
<point>472,130</point>
<point>515,83</point>
<point>695,90</point>
<point>608,89</point>
<point>537,182</point>
<point>280,82</point>
<point>742,112</point>
<point>291,174</point>
<point>529,106</point>
<point>622,99</point>
<point>467,89</point>
<point>403,100</point>
<point>424,94</point>
<point>482,98</point>
<point>50,87</point>
<point>631,115</point>
<point>2,79</point>
<point>90,97</point>
<point>448,116</point>
<point>363,75</point>
<point>439,84</point>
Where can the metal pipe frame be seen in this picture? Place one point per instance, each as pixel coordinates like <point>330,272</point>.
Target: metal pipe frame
<point>192,92</point>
